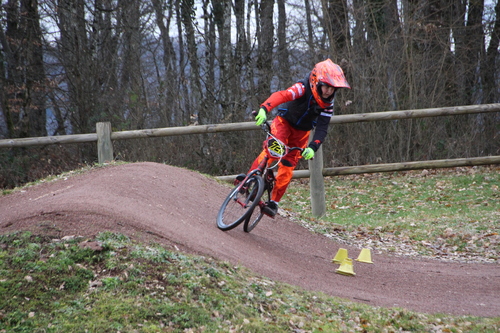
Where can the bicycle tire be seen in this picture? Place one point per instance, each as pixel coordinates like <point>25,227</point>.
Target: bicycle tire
<point>257,214</point>
<point>253,219</point>
<point>237,205</point>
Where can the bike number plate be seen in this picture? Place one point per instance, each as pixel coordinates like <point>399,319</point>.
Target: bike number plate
<point>275,148</point>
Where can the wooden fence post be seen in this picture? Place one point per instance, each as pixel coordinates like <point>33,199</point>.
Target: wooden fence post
<point>104,145</point>
<point>317,184</point>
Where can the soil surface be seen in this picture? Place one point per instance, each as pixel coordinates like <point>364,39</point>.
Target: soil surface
<point>177,207</point>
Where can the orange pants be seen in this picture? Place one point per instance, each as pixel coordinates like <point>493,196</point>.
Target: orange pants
<point>292,137</point>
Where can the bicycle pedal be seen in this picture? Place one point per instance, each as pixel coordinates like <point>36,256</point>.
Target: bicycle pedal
<point>270,216</point>
<point>270,211</point>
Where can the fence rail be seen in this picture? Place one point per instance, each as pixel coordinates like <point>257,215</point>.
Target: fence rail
<point>248,126</point>
<point>104,137</point>
<point>392,167</point>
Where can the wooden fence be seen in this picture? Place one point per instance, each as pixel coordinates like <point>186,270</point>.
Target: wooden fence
<point>104,137</point>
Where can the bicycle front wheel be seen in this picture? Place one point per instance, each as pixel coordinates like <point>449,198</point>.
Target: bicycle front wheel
<point>240,203</point>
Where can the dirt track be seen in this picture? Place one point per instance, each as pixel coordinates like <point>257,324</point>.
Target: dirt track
<point>178,207</point>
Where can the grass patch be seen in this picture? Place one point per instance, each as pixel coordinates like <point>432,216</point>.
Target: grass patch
<point>451,213</point>
<point>60,286</point>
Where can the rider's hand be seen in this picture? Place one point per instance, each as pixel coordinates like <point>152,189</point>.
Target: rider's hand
<point>308,153</point>
<point>261,117</point>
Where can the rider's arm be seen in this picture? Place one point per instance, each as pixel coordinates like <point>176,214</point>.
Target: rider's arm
<point>283,96</point>
<point>321,129</point>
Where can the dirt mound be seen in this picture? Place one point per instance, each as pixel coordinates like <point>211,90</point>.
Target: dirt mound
<point>177,207</point>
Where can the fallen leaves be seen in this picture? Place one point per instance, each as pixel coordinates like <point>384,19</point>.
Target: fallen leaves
<point>448,214</point>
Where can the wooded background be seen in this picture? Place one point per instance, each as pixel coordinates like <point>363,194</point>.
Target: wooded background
<point>67,64</point>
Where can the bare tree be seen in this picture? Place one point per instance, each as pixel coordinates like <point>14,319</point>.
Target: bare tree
<point>23,79</point>
<point>73,54</point>
<point>193,85</point>
<point>143,64</point>
<point>131,81</point>
<point>282,52</point>
<point>337,27</point>
<point>265,38</point>
<point>491,64</point>
<point>167,92</point>
<point>475,47</point>
<point>310,32</point>
<point>242,68</point>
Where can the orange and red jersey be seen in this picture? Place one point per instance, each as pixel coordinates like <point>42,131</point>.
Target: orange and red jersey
<point>279,97</point>
<point>299,108</point>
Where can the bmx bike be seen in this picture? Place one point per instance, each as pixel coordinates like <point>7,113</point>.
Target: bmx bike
<point>245,202</point>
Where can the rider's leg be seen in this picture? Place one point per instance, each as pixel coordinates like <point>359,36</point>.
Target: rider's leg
<point>257,161</point>
<point>296,138</point>
<point>283,178</point>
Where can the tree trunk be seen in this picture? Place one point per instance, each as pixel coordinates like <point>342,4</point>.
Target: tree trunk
<point>265,38</point>
<point>131,84</point>
<point>490,66</point>
<point>194,83</point>
<point>337,27</point>
<point>23,95</point>
<point>222,18</point>
<point>35,72</point>
<point>166,81</point>
<point>282,52</point>
<point>310,35</point>
<point>74,55</point>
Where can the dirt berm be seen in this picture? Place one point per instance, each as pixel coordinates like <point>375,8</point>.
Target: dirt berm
<point>178,207</point>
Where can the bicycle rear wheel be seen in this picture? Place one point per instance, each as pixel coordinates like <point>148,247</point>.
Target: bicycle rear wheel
<point>256,215</point>
<point>240,202</point>
<point>253,218</point>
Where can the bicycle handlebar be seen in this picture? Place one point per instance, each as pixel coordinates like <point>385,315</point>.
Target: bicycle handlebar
<point>266,127</point>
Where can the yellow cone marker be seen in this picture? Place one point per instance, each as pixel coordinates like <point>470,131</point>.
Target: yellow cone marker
<point>365,256</point>
<point>340,256</point>
<point>346,267</point>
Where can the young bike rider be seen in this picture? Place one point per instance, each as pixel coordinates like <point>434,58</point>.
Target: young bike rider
<point>308,105</point>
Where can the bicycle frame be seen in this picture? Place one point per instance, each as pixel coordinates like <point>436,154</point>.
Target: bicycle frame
<point>242,201</point>
<point>275,150</point>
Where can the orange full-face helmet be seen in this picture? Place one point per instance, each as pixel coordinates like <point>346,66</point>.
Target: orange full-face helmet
<point>326,73</point>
